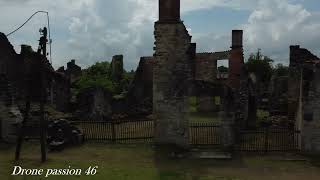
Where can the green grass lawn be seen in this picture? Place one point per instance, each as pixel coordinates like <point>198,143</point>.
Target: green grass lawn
<point>197,117</point>
<point>139,162</point>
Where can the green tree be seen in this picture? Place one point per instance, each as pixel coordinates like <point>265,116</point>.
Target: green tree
<point>99,75</point>
<point>223,69</point>
<point>281,70</point>
<point>261,66</point>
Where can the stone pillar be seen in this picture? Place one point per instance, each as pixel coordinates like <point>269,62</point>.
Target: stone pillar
<point>236,60</point>
<point>117,68</point>
<point>294,82</point>
<point>227,126</point>
<point>169,10</point>
<point>171,79</point>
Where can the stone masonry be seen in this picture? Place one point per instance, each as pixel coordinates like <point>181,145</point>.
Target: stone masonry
<point>171,77</point>
<point>139,95</point>
<point>117,68</point>
<point>304,96</point>
<point>206,71</point>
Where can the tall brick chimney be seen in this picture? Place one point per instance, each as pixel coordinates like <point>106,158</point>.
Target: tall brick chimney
<point>236,59</point>
<point>169,10</point>
<point>237,39</point>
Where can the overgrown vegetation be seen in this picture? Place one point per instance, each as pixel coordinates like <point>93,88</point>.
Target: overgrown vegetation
<point>263,68</point>
<point>100,75</point>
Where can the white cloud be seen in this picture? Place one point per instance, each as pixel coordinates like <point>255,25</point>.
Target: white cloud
<point>92,30</point>
<point>276,24</point>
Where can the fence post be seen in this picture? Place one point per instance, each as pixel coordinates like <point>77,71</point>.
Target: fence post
<point>113,132</point>
<point>237,137</point>
<point>266,139</point>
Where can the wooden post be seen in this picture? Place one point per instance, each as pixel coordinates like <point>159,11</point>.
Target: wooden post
<point>43,134</point>
<point>22,128</point>
<point>113,132</point>
<point>43,124</point>
<point>266,139</point>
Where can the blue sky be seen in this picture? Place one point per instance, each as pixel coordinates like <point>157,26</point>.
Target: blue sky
<point>95,30</point>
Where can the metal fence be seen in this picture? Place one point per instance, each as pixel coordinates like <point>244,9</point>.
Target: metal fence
<point>118,132</point>
<point>268,140</point>
<point>143,131</point>
<point>200,134</point>
<point>205,134</point>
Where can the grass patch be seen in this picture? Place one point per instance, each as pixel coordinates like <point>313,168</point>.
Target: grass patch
<point>124,162</point>
<point>205,117</point>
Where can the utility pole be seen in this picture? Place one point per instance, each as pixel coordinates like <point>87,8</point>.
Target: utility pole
<point>42,53</point>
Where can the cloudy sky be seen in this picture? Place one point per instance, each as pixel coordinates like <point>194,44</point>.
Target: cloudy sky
<point>95,30</point>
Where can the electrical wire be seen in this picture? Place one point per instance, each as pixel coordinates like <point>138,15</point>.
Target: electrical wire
<point>48,20</point>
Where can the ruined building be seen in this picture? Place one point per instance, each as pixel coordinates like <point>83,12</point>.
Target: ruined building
<point>20,71</point>
<point>304,96</point>
<point>117,68</point>
<point>139,97</point>
<point>172,75</point>
<point>61,96</point>
<point>180,72</point>
<point>206,72</point>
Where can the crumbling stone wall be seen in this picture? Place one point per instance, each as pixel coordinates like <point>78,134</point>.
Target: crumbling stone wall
<point>61,92</point>
<point>171,77</point>
<point>12,65</point>
<point>278,100</point>
<point>139,97</point>
<point>73,71</point>
<point>206,71</point>
<point>311,114</point>
<point>117,68</point>
<point>94,104</point>
<point>10,115</point>
<point>304,96</point>
<point>17,67</point>
<point>64,78</point>
<point>206,65</point>
<point>298,56</point>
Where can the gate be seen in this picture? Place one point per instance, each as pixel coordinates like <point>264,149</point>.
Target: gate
<point>204,134</point>
<point>269,139</point>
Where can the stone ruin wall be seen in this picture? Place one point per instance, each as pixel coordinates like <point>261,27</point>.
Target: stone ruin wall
<point>172,74</point>
<point>16,67</point>
<point>139,96</point>
<point>206,71</point>
<point>311,114</point>
<point>171,77</point>
<point>206,65</point>
<point>304,96</point>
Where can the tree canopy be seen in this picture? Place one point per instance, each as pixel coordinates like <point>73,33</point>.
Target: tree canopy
<point>100,75</point>
<point>261,66</point>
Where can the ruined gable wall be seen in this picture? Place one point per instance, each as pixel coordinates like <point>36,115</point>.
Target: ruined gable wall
<point>11,64</point>
<point>304,96</point>
<point>311,114</point>
<point>206,65</point>
<point>171,78</point>
<point>298,56</point>
<point>206,71</point>
<point>73,71</point>
<point>139,96</point>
